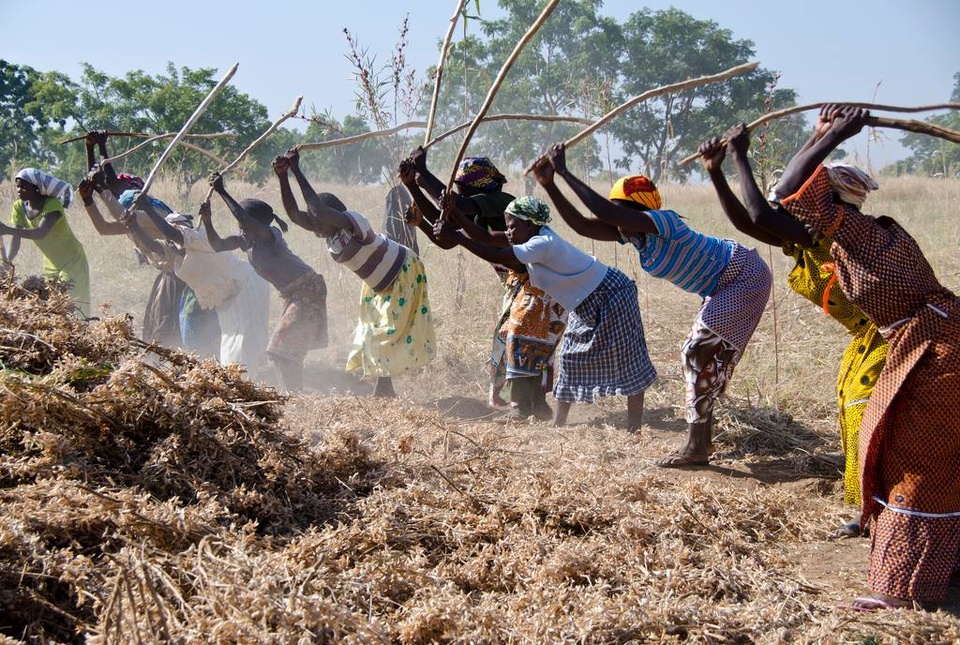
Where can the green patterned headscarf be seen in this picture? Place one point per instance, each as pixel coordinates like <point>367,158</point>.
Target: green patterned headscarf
<point>529,208</point>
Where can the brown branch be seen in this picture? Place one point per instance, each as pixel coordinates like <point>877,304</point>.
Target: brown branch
<point>912,125</point>
<point>256,142</point>
<point>659,91</point>
<point>869,106</point>
<point>159,137</point>
<point>316,145</point>
<point>444,52</point>
<point>510,117</point>
<point>143,135</point>
<point>547,10</point>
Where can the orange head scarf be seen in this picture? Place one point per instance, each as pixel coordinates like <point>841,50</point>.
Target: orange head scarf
<point>639,189</point>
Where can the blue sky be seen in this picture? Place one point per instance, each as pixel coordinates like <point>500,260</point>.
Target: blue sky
<point>900,53</point>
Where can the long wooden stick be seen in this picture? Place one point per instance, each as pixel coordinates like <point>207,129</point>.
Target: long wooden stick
<point>912,125</point>
<point>509,117</point>
<point>658,91</point>
<point>444,51</point>
<point>144,135</point>
<point>316,145</point>
<point>183,131</point>
<point>256,142</point>
<point>779,114</point>
<point>185,144</point>
<point>333,143</point>
<point>547,10</point>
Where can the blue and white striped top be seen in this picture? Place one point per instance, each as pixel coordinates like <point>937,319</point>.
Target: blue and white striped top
<point>689,259</point>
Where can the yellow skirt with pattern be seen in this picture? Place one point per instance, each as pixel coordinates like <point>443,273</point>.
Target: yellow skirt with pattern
<point>395,332</point>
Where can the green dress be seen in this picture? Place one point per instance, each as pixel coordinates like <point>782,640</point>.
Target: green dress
<point>63,256</point>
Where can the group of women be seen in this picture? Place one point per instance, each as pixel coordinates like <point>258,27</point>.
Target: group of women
<point>574,322</point>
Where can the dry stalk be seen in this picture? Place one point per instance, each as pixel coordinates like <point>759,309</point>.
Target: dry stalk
<point>497,82</point>
<point>444,52</point>
<point>256,142</point>
<point>923,128</point>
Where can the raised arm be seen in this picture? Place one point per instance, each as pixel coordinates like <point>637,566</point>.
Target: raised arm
<point>446,230</point>
<point>608,216</point>
<point>544,170</point>
<point>217,243</point>
<point>425,179</point>
<point>87,186</point>
<point>424,213</point>
<point>837,124</point>
<point>281,167</point>
<point>250,225</point>
<point>766,222</point>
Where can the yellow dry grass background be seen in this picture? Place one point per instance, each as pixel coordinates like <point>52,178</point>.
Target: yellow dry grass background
<point>444,524</point>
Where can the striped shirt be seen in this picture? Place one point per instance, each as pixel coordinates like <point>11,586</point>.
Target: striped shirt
<point>689,259</point>
<point>375,259</point>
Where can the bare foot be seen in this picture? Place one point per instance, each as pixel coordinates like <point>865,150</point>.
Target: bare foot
<point>850,530</point>
<point>683,459</point>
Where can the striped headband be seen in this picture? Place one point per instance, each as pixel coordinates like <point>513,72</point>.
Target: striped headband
<point>48,185</point>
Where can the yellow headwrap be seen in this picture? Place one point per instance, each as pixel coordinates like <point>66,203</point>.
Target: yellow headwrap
<point>639,189</point>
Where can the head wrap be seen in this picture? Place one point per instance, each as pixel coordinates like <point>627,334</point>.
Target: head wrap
<point>850,183</point>
<point>639,189</point>
<point>530,209</point>
<point>262,212</point>
<point>131,180</point>
<point>48,185</point>
<point>479,173</point>
<point>127,197</point>
<point>179,219</point>
<point>330,201</point>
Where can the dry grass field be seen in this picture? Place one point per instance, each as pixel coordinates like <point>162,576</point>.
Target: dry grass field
<point>428,518</point>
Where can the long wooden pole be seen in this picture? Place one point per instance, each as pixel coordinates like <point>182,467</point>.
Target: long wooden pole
<point>944,133</point>
<point>183,131</point>
<point>444,52</point>
<point>333,143</point>
<point>509,117</point>
<point>256,142</point>
<point>184,143</point>
<point>547,10</point>
<point>658,91</point>
<point>144,135</point>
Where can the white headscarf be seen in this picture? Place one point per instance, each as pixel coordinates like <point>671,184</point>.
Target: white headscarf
<point>850,183</point>
<point>48,185</point>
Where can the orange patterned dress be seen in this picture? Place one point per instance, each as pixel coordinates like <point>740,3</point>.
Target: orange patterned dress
<point>910,434</point>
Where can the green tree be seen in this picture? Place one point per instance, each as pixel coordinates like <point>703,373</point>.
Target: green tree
<point>139,102</point>
<point>933,156</point>
<point>24,120</point>
<point>670,46</point>
<point>362,162</point>
<point>569,67</point>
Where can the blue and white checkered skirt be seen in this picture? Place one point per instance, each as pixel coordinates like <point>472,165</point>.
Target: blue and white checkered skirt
<point>603,351</point>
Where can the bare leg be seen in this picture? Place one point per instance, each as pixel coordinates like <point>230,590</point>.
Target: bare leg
<point>707,364</point>
<point>878,601</point>
<point>696,451</point>
<point>384,387</point>
<point>560,414</point>
<point>635,412</point>
<point>291,373</point>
